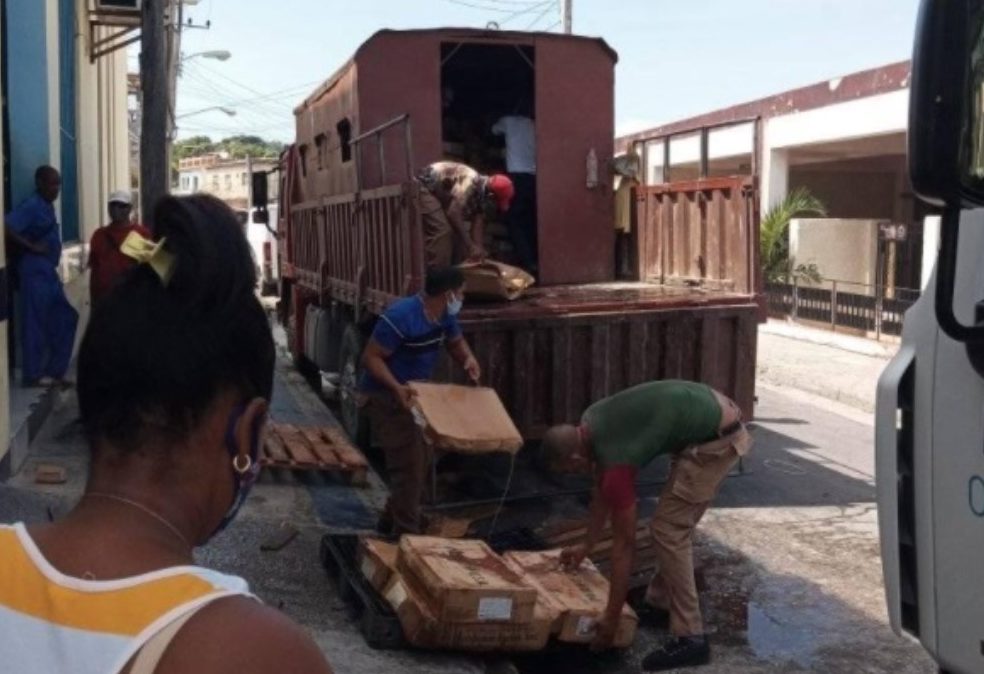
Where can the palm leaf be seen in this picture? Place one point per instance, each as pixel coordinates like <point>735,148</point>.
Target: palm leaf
<point>774,232</point>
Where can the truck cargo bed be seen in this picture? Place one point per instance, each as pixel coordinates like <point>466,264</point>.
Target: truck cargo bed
<point>554,352</point>
<point>600,298</point>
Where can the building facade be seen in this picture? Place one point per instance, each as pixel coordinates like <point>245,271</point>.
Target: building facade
<point>227,179</point>
<point>843,139</point>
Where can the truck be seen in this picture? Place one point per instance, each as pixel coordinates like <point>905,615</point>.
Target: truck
<point>929,432</point>
<point>351,239</point>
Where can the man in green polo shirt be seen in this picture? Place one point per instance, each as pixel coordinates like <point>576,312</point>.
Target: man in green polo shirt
<point>702,431</point>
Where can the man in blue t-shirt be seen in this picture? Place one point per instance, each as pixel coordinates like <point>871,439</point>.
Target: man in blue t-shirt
<point>405,346</point>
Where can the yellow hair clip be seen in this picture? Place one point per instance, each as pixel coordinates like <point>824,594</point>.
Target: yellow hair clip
<point>150,253</point>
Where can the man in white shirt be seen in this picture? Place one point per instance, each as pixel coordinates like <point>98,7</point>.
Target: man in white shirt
<point>519,132</point>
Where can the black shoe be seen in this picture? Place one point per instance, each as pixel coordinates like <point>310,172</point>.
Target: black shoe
<point>678,652</point>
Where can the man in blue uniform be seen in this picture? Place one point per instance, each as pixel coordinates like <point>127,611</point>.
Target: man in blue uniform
<point>48,321</point>
<point>405,346</point>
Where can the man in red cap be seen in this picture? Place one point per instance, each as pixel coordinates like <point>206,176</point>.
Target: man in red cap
<point>451,196</point>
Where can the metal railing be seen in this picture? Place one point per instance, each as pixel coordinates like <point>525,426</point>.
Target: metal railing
<point>842,304</point>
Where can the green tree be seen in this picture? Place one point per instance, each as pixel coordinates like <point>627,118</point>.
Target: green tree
<point>777,265</point>
<point>191,147</point>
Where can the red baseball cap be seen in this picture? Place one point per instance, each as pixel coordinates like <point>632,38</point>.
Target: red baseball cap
<point>502,187</point>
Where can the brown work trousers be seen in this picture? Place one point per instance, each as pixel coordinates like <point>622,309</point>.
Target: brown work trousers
<point>695,476</point>
<point>438,233</point>
<point>408,459</point>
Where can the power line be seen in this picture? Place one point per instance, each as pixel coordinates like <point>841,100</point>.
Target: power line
<point>540,17</point>
<point>484,8</point>
<point>523,12</point>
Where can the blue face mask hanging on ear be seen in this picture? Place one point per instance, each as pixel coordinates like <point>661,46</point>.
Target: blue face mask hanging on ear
<point>454,305</point>
<point>244,472</point>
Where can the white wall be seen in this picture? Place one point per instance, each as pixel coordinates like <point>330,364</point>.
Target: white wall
<point>872,116</point>
<point>842,249</point>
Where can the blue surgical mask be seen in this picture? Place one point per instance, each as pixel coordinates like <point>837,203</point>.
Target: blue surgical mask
<point>454,305</point>
<point>242,481</point>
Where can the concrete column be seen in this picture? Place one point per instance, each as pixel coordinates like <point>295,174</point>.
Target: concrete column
<point>52,36</point>
<point>775,176</point>
<point>931,246</point>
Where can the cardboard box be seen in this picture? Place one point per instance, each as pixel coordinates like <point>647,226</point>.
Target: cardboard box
<point>464,581</point>
<point>423,629</point>
<point>465,419</point>
<point>377,560</point>
<point>577,599</point>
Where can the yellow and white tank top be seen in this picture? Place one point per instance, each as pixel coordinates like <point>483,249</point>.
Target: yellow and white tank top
<point>52,623</point>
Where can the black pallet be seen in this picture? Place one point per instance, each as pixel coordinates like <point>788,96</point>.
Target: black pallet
<point>378,622</point>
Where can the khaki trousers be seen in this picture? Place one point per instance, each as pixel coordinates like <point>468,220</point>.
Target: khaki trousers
<point>408,459</point>
<point>695,477</point>
<point>438,234</point>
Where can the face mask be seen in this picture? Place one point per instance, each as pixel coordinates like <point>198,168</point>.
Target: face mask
<point>244,473</point>
<point>454,305</point>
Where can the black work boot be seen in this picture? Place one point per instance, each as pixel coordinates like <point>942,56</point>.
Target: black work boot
<point>678,652</point>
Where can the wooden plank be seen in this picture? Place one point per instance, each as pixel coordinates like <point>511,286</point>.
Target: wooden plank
<point>695,227</point>
<point>339,442</point>
<point>297,445</point>
<point>560,364</point>
<point>638,352</point>
<point>274,445</point>
<point>321,449</point>
<point>600,350</point>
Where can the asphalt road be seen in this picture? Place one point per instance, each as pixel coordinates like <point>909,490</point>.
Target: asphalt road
<point>787,559</point>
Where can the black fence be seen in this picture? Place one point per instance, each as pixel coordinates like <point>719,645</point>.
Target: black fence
<point>843,305</point>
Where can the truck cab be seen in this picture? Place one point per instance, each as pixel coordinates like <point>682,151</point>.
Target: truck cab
<point>929,422</point>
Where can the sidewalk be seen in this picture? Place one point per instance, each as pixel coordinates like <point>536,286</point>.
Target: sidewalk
<point>835,366</point>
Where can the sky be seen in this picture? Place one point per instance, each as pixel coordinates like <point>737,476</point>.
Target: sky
<point>677,58</point>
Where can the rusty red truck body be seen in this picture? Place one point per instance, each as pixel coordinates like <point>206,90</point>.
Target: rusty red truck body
<point>351,237</point>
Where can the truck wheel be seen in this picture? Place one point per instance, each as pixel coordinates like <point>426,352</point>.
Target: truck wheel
<point>353,420</point>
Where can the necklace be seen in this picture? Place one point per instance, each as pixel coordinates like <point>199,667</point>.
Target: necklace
<point>145,509</point>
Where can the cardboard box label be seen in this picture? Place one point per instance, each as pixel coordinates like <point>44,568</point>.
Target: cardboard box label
<point>368,568</point>
<point>396,595</point>
<point>495,608</point>
<point>585,626</point>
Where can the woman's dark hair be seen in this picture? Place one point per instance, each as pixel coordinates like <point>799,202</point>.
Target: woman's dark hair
<point>155,356</point>
<point>442,279</point>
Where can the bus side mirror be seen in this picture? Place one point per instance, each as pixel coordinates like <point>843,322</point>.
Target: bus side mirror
<point>946,108</point>
<point>261,198</point>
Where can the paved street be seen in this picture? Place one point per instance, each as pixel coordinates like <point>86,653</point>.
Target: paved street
<point>788,559</point>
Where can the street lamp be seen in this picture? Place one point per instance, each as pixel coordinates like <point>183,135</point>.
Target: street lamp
<point>217,54</point>
<point>221,108</point>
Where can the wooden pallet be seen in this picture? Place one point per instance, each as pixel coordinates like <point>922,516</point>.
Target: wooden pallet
<point>313,448</point>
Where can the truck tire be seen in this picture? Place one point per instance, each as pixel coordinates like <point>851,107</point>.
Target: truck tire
<point>350,370</point>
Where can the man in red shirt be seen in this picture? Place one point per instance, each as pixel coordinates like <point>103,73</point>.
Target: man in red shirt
<point>108,264</point>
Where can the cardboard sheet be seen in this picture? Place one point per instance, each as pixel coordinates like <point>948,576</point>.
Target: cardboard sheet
<point>466,419</point>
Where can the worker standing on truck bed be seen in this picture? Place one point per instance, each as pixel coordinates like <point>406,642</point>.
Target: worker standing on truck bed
<point>618,436</point>
<point>452,195</point>
<point>519,131</point>
<point>404,347</point>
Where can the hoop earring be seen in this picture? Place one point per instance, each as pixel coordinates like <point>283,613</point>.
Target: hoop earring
<point>242,470</point>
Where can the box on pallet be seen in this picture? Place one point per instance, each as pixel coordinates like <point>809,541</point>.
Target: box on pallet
<point>465,581</point>
<point>377,561</point>
<point>577,599</point>
<point>422,627</point>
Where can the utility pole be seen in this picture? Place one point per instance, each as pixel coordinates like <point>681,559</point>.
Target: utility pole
<point>566,16</point>
<point>154,118</point>
<point>174,28</point>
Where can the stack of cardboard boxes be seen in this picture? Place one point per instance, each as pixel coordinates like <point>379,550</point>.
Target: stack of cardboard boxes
<point>459,594</point>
